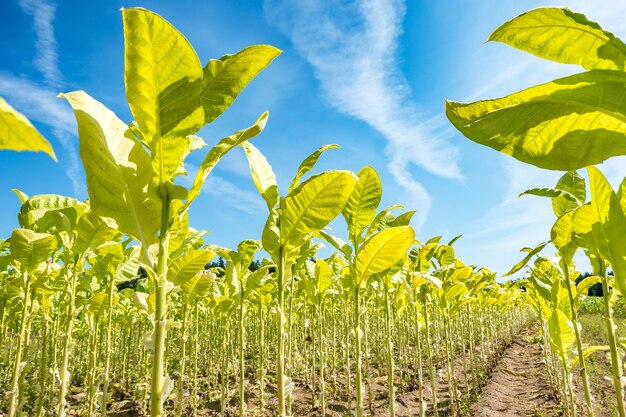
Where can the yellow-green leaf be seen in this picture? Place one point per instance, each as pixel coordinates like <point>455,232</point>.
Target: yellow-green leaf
<point>383,250</point>
<point>30,249</point>
<point>226,77</point>
<point>609,237</point>
<point>308,164</point>
<point>562,335</point>
<point>163,77</point>
<point>313,205</point>
<point>363,203</point>
<point>566,124</point>
<point>561,35</point>
<point>218,151</point>
<point>262,175</point>
<point>188,265</point>
<point>117,171</point>
<point>18,134</point>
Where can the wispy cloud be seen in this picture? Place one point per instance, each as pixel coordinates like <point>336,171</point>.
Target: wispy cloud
<point>352,47</point>
<point>38,100</point>
<point>46,57</point>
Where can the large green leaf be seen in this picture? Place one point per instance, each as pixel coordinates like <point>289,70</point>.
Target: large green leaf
<point>91,233</point>
<point>571,182</point>
<point>262,174</point>
<point>561,35</point>
<point>188,265</point>
<point>163,77</point>
<point>18,134</point>
<point>99,303</point>
<point>198,285</point>
<point>308,164</point>
<point>383,250</point>
<point>129,268</point>
<point>226,77</point>
<point>218,151</point>
<point>562,335</point>
<point>29,249</point>
<point>363,203</point>
<point>562,236</point>
<point>43,211</point>
<point>324,275</point>
<point>566,124</point>
<point>609,236</point>
<point>117,171</point>
<point>313,204</point>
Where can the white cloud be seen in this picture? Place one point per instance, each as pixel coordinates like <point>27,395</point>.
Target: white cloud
<point>352,47</point>
<point>46,58</point>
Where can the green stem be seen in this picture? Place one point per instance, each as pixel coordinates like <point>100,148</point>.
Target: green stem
<point>183,356</point>
<point>615,358</point>
<point>579,344</point>
<point>17,365</point>
<point>280,324</point>
<point>357,344</point>
<point>390,386</point>
<point>242,346</point>
<point>67,345</point>
<point>107,353</point>
<point>160,315</point>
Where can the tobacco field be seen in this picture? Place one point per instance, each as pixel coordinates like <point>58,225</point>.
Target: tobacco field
<point>118,306</point>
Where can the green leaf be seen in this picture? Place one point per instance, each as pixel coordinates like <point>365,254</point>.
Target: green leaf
<point>308,164</point>
<point>588,351</point>
<point>363,203</point>
<point>549,192</point>
<point>562,335</point>
<point>226,77</point>
<point>337,243</point>
<point>99,303</point>
<point>311,206</point>
<point>30,249</point>
<point>198,285</point>
<point>582,289</point>
<point>382,251</point>
<point>117,171</point>
<point>324,275</point>
<point>42,211</point>
<point>163,77</point>
<point>379,219</point>
<point>569,123</point>
<point>572,183</point>
<point>91,233</point>
<point>18,134</point>
<point>129,268</point>
<point>262,175</point>
<point>561,35</point>
<point>188,265</point>
<point>527,258</point>
<point>609,237</point>
<point>218,151</point>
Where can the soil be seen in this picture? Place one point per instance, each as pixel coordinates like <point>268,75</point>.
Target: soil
<point>513,384</point>
<point>518,385</point>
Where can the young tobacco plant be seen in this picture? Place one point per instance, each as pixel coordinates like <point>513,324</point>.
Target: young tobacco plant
<point>293,219</point>
<point>131,169</point>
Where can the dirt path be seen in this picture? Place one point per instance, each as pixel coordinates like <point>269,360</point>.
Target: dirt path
<point>518,385</point>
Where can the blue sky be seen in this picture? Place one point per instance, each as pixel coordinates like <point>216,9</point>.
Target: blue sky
<point>370,75</point>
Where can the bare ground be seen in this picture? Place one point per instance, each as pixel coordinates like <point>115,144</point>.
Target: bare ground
<point>519,384</point>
